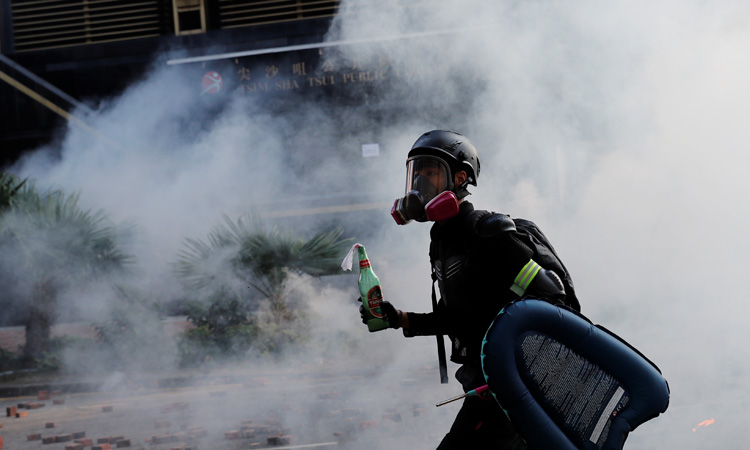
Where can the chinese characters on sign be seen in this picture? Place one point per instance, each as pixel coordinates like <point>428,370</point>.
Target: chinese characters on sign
<point>296,73</point>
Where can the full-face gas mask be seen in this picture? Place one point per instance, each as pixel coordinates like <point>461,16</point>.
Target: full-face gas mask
<point>428,192</point>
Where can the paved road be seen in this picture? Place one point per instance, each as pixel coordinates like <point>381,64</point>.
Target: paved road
<point>313,410</point>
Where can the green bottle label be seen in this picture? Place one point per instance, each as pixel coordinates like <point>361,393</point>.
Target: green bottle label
<point>371,293</point>
<point>374,298</point>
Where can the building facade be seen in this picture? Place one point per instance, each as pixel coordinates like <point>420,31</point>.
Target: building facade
<point>60,55</point>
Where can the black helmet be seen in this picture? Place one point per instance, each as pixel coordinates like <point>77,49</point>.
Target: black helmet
<point>455,149</point>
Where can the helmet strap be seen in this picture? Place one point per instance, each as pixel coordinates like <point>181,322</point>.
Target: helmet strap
<point>461,191</point>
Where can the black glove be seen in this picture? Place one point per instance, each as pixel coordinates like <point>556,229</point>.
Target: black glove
<point>395,316</point>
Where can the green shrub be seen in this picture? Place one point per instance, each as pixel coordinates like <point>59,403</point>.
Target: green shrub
<point>9,361</point>
<point>63,353</point>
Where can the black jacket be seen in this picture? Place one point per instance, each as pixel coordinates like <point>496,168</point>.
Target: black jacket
<point>475,269</point>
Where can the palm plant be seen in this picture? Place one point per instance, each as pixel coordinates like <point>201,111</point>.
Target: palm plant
<point>9,187</point>
<point>49,239</point>
<point>260,258</point>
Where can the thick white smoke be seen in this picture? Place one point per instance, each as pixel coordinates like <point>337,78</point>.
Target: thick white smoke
<point>619,127</point>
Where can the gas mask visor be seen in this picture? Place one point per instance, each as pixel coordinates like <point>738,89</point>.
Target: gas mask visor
<point>426,178</point>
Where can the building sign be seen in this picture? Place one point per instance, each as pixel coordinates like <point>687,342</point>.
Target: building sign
<point>297,72</point>
<point>211,83</point>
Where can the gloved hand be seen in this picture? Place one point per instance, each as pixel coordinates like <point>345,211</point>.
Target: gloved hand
<point>395,316</point>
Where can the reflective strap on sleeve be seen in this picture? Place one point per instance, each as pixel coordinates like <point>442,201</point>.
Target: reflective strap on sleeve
<point>524,277</point>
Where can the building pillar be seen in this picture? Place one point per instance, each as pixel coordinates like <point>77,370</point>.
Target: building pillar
<point>6,28</point>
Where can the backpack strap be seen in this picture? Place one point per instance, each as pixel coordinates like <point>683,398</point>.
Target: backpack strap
<point>485,224</point>
<point>442,361</point>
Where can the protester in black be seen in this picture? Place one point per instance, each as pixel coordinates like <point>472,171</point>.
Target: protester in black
<point>480,264</point>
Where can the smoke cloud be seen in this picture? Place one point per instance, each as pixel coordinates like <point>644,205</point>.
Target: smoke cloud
<point>618,127</point>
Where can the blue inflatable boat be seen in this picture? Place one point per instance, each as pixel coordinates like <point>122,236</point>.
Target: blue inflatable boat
<point>565,383</point>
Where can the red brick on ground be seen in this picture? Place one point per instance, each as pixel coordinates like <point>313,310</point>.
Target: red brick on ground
<point>1,442</point>
<point>161,439</point>
<point>179,406</point>
<point>85,442</point>
<point>49,440</point>
<point>349,433</point>
<point>34,437</point>
<point>197,431</point>
<point>232,434</point>
<point>11,411</point>
<point>279,440</point>
<point>368,424</point>
<point>34,405</point>
<point>22,414</point>
<point>42,395</point>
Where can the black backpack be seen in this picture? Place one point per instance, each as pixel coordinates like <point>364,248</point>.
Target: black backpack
<point>544,253</point>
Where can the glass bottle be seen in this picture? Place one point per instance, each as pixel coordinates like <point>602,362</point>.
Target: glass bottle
<point>370,291</point>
